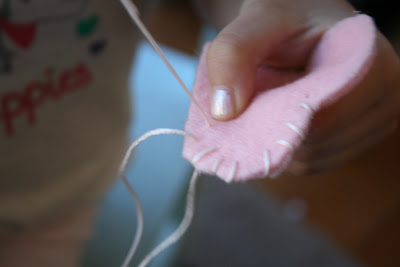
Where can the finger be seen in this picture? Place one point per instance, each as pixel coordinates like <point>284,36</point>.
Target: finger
<point>335,160</point>
<point>236,53</point>
<point>376,86</point>
<point>377,117</point>
<point>335,146</point>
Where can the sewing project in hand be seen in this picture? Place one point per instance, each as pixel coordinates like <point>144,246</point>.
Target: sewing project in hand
<point>262,140</point>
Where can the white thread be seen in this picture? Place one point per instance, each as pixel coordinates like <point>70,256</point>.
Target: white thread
<point>295,128</point>
<point>182,228</point>
<point>232,172</point>
<point>266,162</point>
<point>307,107</point>
<point>134,14</point>
<point>216,166</point>
<point>139,225</point>
<point>132,147</point>
<point>285,143</point>
<point>203,153</point>
<point>122,169</point>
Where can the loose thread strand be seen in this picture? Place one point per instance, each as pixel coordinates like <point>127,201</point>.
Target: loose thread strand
<point>160,131</point>
<point>134,14</point>
<point>182,228</point>
<point>139,226</point>
<point>140,221</point>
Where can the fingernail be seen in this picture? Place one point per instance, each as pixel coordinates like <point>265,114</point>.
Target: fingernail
<point>222,103</point>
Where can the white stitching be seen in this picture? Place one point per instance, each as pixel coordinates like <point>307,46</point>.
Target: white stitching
<point>203,153</point>
<point>232,172</point>
<point>266,162</point>
<point>295,128</point>
<point>216,165</point>
<point>307,107</point>
<point>285,143</point>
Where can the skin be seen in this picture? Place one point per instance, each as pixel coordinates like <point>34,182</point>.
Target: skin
<point>283,33</point>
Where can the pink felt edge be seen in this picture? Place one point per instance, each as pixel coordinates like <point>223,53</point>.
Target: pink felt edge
<point>338,63</point>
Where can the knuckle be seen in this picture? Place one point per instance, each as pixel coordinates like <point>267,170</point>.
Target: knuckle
<point>300,168</point>
<point>228,44</point>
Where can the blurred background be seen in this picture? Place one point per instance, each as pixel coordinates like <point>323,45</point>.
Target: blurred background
<point>346,217</point>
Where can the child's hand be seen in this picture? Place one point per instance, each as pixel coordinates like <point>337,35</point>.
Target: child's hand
<point>360,120</point>
<point>282,33</point>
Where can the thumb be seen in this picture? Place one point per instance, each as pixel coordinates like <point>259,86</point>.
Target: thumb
<point>240,48</point>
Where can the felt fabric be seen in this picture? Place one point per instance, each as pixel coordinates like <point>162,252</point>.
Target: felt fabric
<point>261,141</point>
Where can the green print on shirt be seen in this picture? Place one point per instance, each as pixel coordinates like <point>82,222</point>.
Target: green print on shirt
<point>20,36</point>
<point>87,26</point>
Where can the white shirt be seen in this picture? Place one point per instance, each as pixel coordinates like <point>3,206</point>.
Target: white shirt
<point>64,104</point>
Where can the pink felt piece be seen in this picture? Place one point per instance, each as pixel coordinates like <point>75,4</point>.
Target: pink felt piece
<point>262,140</point>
